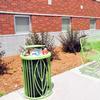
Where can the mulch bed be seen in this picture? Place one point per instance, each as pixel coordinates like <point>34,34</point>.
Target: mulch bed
<point>13,79</point>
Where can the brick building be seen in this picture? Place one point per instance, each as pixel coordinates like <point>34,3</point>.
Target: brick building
<point>19,17</point>
<point>24,16</point>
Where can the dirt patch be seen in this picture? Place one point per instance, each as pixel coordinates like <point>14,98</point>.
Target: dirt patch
<point>13,79</point>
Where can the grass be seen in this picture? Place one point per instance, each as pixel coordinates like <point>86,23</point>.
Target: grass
<point>1,94</point>
<point>90,49</point>
<point>96,45</point>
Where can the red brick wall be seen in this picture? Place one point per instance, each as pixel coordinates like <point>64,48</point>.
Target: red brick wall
<point>80,23</point>
<point>38,24</point>
<point>6,24</point>
<point>46,24</point>
<point>42,23</point>
<point>68,7</point>
<point>98,23</point>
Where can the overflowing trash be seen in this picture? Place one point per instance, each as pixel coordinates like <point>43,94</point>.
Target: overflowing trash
<point>35,51</point>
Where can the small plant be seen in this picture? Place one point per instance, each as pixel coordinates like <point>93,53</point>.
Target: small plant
<point>3,68</point>
<point>71,41</point>
<point>42,39</point>
<point>1,94</point>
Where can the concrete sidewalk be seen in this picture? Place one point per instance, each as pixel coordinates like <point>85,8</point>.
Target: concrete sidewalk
<point>69,85</point>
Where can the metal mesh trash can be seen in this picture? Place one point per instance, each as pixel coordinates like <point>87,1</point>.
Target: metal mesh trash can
<point>36,74</point>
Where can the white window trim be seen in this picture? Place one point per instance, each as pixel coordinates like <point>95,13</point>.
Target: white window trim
<point>90,24</point>
<point>69,24</point>
<point>49,2</point>
<point>97,0</point>
<point>30,25</point>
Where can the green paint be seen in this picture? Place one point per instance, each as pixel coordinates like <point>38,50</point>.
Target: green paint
<point>37,75</point>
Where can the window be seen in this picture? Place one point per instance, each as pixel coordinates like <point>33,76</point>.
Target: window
<point>92,23</point>
<point>66,24</point>
<point>97,0</point>
<point>49,2</point>
<point>22,24</point>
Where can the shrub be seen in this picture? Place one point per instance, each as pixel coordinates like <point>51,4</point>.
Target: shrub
<point>1,94</point>
<point>71,41</point>
<point>3,68</point>
<point>42,39</point>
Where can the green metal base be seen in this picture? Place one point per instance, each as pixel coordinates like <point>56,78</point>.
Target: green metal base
<point>47,94</point>
<point>42,97</point>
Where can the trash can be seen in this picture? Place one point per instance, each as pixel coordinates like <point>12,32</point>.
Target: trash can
<point>36,71</point>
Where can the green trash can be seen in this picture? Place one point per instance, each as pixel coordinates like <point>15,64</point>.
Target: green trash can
<point>36,73</point>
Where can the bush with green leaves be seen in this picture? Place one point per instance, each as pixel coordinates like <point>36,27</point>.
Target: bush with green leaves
<point>42,39</point>
<point>70,41</point>
<point>3,66</point>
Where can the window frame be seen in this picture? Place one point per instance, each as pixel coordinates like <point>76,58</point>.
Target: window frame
<point>23,16</point>
<point>50,2</point>
<point>94,27</point>
<point>97,0</point>
<point>69,18</point>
